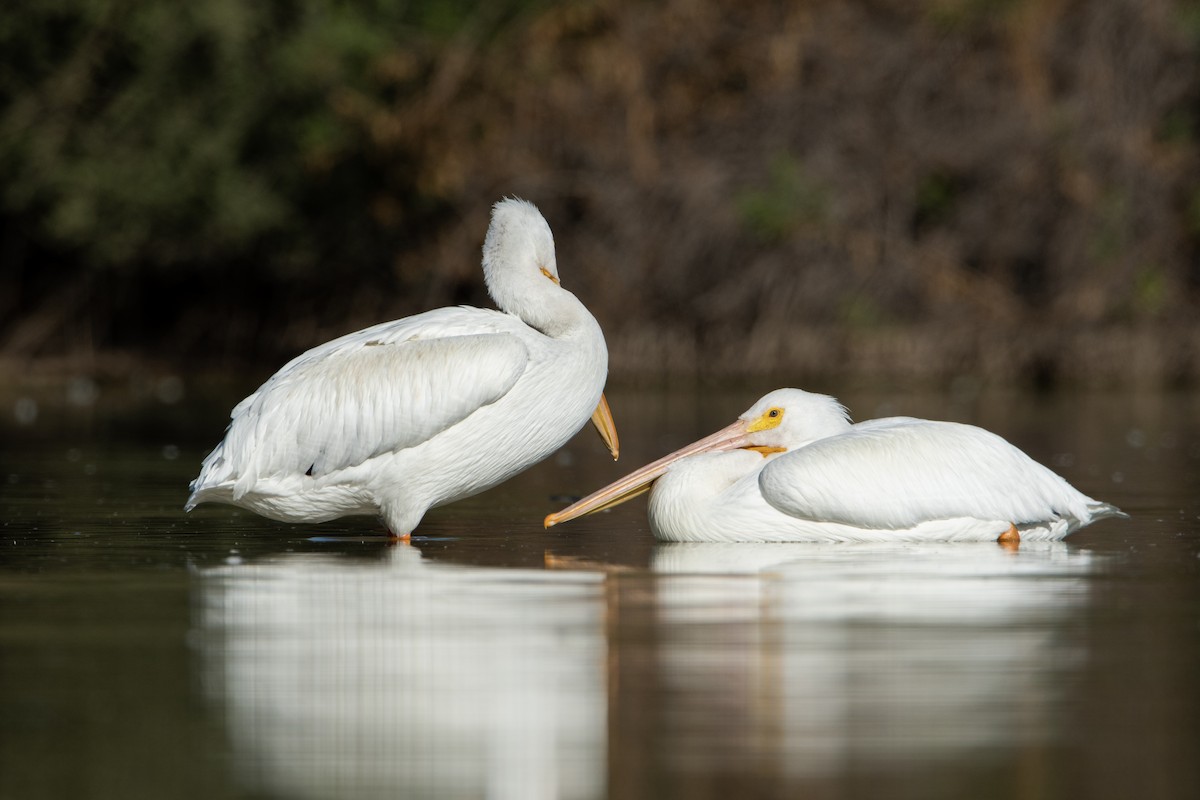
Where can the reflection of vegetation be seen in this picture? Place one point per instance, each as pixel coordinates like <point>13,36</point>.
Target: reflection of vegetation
<point>792,198</point>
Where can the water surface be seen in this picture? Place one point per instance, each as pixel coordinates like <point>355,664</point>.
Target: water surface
<point>148,653</point>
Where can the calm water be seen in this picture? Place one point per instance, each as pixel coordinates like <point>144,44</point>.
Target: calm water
<point>145,653</point>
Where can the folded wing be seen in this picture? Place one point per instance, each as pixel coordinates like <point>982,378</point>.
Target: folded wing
<point>899,472</point>
<point>376,391</point>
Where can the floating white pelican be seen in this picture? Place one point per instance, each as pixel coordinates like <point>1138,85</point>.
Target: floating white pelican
<point>407,415</point>
<point>793,468</point>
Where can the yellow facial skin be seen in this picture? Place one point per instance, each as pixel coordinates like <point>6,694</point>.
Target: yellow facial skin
<point>769,419</point>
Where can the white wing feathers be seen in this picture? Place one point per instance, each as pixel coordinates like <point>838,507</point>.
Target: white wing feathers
<point>378,390</point>
<point>895,473</point>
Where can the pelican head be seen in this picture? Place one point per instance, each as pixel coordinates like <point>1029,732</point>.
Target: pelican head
<point>781,420</point>
<point>789,418</point>
<point>521,270</point>
<point>518,234</point>
<point>521,273</point>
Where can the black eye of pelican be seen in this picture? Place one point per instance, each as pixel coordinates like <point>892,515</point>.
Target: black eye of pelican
<point>774,412</point>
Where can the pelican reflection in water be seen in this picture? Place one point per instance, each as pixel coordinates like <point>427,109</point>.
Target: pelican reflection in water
<point>410,677</point>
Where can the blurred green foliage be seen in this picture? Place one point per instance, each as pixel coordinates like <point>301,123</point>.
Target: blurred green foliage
<point>955,15</point>
<point>1150,291</point>
<point>860,312</point>
<point>299,168</point>
<point>177,134</point>
<point>937,194</point>
<point>791,198</point>
<point>1109,241</point>
<point>1193,214</point>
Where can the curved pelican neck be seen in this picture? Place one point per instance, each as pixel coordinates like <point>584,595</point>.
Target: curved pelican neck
<point>521,271</point>
<point>547,308</point>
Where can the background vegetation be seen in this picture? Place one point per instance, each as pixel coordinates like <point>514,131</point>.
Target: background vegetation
<point>1003,189</point>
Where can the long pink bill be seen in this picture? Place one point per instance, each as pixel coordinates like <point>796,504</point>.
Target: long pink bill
<point>639,481</point>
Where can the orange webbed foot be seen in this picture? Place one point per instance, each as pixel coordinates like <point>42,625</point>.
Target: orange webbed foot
<point>1010,539</point>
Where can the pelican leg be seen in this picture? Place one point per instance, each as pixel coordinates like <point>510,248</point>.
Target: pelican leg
<point>1010,539</point>
<point>393,537</point>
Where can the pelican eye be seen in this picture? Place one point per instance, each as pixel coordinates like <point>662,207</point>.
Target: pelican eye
<point>770,419</point>
<point>550,275</point>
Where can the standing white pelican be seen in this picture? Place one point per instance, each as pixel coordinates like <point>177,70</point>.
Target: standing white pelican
<point>793,468</point>
<point>407,415</point>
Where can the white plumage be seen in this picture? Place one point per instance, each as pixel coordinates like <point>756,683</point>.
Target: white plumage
<point>793,468</point>
<point>407,415</point>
